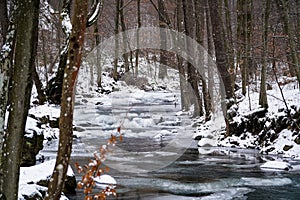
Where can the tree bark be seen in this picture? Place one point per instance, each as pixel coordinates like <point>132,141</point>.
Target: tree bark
<point>283,6</point>
<point>138,38</point>
<point>263,101</point>
<point>244,33</point>
<point>162,16</point>
<point>25,52</point>
<point>5,75</point>
<point>68,91</point>
<point>115,71</point>
<point>220,47</point>
<point>221,60</point>
<point>4,19</point>
<point>98,57</point>
<point>125,39</point>
<point>192,75</point>
<point>200,29</point>
<point>185,98</point>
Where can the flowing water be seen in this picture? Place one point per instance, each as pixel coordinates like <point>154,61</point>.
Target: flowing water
<point>145,168</point>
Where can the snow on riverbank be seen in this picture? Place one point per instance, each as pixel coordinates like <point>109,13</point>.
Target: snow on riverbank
<point>273,139</point>
<point>31,177</point>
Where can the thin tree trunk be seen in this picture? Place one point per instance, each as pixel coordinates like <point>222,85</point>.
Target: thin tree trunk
<point>185,98</point>
<point>200,29</point>
<point>54,87</point>
<point>221,60</point>
<point>115,71</point>
<point>162,73</point>
<point>229,37</point>
<point>243,35</point>
<point>263,102</point>
<point>210,51</point>
<point>192,74</point>
<point>138,38</point>
<point>25,52</point>
<point>98,56</point>
<point>39,87</point>
<point>125,39</point>
<point>68,94</point>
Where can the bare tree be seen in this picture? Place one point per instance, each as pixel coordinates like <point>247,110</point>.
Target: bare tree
<point>20,93</point>
<point>163,23</point>
<point>6,56</point>
<point>263,93</point>
<point>54,88</point>
<point>283,6</point>
<point>244,37</point>
<point>200,30</point>
<point>220,51</point>
<point>125,39</point>
<point>192,75</point>
<point>138,38</point>
<point>185,101</point>
<point>117,22</point>
<point>68,91</point>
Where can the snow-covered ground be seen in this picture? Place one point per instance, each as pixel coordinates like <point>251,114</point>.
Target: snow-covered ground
<point>284,144</point>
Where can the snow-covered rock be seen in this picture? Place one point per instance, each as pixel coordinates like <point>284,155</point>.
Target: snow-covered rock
<point>105,181</point>
<point>32,179</point>
<point>276,165</point>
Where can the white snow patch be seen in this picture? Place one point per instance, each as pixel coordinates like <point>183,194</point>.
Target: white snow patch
<point>29,176</point>
<point>276,165</point>
<point>105,180</point>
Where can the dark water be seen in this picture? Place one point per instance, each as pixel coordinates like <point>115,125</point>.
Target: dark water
<point>235,175</point>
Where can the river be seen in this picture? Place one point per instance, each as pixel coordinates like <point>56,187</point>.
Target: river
<point>157,158</point>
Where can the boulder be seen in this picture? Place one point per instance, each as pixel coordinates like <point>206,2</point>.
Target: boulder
<point>32,144</point>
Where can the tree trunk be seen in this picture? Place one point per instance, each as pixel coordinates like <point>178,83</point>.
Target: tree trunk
<point>54,87</point>
<point>39,87</point>
<point>200,29</point>
<point>220,47</point>
<point>244,33</point>
<point>4,19</point>
<point>221,60</point>
<point>230,38</point>
<point>283,6</point>
<point>5,75</point>
<point>192,74</point>
<point>138,38</point>
<point>27,14</point>
<point>115,71</point>
<point>210,51</point>
<point>162,73</point>
<point>68,91</point>
<point>98,57</point>
<point>263,102</point>
<point>185,98</point>
<point>125,39</point>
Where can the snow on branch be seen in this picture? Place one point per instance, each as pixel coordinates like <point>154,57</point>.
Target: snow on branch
<point>94,14</point>
<point>65,17</point>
